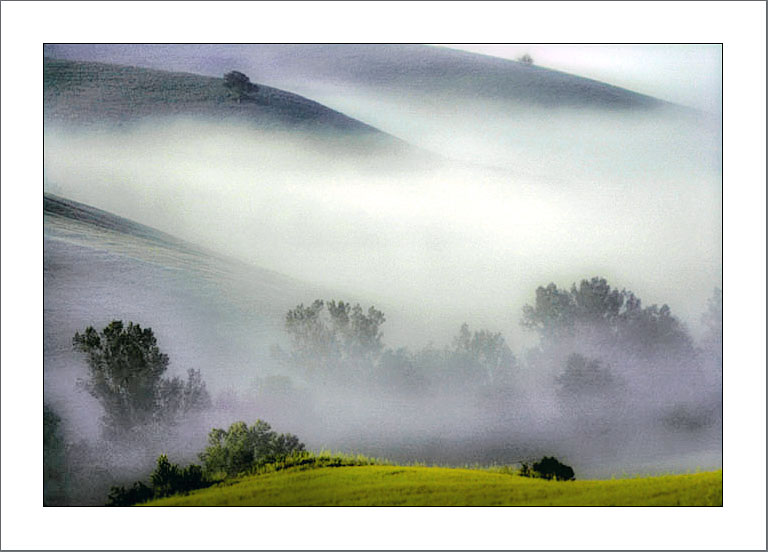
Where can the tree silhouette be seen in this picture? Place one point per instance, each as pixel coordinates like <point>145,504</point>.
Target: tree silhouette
<point>125,374</point>
<point>239,85</point>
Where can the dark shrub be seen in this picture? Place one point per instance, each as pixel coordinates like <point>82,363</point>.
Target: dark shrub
<point>119,496</point>
<point>550,467</point>
<point>167,479</point>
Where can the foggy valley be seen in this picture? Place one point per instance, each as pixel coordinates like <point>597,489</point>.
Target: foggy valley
<point>451,189</point>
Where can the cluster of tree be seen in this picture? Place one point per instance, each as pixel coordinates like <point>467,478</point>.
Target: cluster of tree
<point>611,319</point>
<point>587,335</point>
<point>239,85</point>
<point>242,448</point>
<point>549,468</point>
<point>235,451</point>
<point>167,479</point>
<point>597,340</point>
<point>593,341</point>
<point>126,375</point>
<point>333,340</point>
<point>332,337</point>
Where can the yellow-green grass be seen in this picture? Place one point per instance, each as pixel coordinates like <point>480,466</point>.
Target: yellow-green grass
<point>380,485</point>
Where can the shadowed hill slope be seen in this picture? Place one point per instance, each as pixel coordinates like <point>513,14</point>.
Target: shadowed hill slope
<point>88,94</point>
<point>404,68</point>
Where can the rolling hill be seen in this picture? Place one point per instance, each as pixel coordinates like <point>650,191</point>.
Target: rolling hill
<point>90,92</point>
<point>430,486</point>
<point>464,106</point>
<point>403,68</point>
<point>78,93</point>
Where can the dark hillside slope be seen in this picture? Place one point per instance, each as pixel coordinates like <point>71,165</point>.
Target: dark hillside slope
<point>78,92</point>
<point>401,68</point>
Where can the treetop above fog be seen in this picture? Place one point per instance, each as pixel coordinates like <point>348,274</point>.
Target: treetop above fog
<point>611,317</point>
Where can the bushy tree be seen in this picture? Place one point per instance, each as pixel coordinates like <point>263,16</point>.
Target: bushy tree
<point>239,85</point>
<point>550,467</point>
<point>169,479</point>
<point>125,374</point>
<point>595,314</point>
<point>241,448</point>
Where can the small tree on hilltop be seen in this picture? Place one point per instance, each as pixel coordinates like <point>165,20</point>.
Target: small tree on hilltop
<point>525,59</point>
<point>239,85</point>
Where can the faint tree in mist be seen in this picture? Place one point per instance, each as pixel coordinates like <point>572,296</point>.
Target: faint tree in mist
<point>333,336</point>
<point>713,320</point>
<point>488,352</point>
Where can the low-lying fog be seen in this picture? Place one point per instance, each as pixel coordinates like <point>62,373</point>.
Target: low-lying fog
<point>466,243</point>
<point>634,199</point>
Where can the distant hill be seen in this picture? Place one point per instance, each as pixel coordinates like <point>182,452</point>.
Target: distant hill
<point>398,68</point>
<point>78,92</point>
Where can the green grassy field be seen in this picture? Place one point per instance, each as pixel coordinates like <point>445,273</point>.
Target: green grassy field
<point>382,485</point>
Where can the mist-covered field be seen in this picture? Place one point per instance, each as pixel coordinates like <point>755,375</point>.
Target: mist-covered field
<point>429,201</point>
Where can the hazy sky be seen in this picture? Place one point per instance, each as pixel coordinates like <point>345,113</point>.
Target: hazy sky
<point>690,74</point>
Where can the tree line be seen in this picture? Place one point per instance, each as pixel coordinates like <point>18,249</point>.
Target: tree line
<point>586,334</point>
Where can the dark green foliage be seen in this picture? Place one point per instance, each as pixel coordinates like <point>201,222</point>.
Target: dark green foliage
<point>55,461</point>
<point>241,448</point>
<point>239,85</point>
<point>138,493</point>
<point>167,479</point>
<point>125,374</point>
<point>550,467</point>
<point>525,470</point>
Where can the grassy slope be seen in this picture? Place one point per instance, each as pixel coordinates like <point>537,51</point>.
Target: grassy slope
<point>81,92</point>
<point>423,486</point>
<point>404,68</point>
